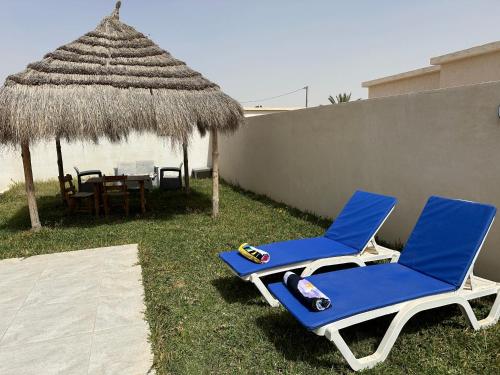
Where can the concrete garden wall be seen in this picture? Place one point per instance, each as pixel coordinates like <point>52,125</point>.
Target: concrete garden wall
<point>442,142</point>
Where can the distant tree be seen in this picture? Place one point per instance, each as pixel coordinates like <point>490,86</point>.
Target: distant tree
<point>340,98</point>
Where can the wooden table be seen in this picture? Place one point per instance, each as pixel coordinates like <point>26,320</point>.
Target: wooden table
<point>98,181</point>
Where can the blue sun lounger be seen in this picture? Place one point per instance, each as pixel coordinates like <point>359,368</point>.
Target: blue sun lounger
<point>350,239</point>
<point>434,269</point>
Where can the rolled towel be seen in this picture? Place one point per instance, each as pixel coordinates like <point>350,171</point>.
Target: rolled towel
<point>306,292</point>
<point>254,254</point>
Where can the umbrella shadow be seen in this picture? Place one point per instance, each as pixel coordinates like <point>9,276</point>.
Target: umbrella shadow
<point>162,205</point>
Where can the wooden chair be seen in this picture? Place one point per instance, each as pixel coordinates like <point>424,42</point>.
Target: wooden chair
<point>115,186</point>
<point>171,182</point>
<point>85,186</point>
<point>75,199</point>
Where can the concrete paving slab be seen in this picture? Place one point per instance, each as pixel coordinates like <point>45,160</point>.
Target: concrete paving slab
<point>7,315</point>
<point>45,322</point>
<point>69,290</point>
<point>131,354</point>
<point>79,312</point>
<point>114,312</point>
<point>69,355</point>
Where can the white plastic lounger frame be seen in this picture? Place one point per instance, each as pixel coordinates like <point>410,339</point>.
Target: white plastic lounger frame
<point>473,287</point>
<point>407,310</point>
<point>370,253</point>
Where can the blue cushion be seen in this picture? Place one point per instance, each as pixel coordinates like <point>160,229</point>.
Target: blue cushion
<point>356,290</point>
<point>446,238</point>
<point>287,252</point>
<point>358,222</point>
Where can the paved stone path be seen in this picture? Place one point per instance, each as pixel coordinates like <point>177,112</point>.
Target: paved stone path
<point>70,313</point>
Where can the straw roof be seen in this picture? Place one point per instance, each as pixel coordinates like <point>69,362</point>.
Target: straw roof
<point>109,82</point>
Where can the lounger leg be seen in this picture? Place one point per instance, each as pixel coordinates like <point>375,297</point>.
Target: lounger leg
<point>490,320</point>
<point>383,349</point>
<point>397,324</point>
<point>264,291</point>
<point>356,364</point>
<point>380,354</point>
<point>314,266</point>
<point>494,314</point>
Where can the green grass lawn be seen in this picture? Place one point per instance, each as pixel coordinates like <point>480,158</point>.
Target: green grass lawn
<point>203,320</point>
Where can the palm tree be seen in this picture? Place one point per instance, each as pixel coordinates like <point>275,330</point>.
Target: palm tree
<point>340,98</point>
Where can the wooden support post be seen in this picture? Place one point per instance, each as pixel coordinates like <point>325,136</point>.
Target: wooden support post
<point>186,167</point>
<point>30,187</point>
<point>59,158</point>
<point>60,167</point>
<point>215,174</point>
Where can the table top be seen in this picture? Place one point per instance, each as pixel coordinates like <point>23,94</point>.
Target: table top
<point>99,180</point>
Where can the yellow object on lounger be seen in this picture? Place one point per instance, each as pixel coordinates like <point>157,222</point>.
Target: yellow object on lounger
<point>254,254</point>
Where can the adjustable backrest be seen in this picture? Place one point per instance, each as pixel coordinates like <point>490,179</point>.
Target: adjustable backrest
<point>126,168</point>
<point>144,167</point>
<point>360,219</point>
<point>447,237</point>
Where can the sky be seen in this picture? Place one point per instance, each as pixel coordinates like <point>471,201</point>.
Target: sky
<point>263,48</point>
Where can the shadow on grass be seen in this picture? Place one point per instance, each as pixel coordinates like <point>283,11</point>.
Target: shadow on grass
<point>311,218</point>
<point>296,344</point>
<point>235,290</point>
<point>162,205</point>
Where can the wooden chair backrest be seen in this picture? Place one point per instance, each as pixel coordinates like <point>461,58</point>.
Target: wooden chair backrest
<point>114,184</point>
<point>67,187</point>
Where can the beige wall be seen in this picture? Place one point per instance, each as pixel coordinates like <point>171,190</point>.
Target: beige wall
<point>424,82</point>
<point>443,142</point>
<point>103,156</point>
<point>475,69</point>
<point>472,66</point>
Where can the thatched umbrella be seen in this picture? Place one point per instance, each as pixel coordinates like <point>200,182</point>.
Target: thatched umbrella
<point>109,82</point>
